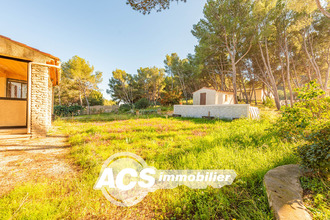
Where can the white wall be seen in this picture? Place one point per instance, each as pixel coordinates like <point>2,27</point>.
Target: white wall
<point>230,98</point>
<point>210,96</point>
<point>219,111</point>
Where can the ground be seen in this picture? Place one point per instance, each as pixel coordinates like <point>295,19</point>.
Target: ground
<point>246,146</point>
<point>23,159</point>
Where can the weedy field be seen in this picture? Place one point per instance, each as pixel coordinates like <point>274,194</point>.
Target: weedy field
<point>247,146</point>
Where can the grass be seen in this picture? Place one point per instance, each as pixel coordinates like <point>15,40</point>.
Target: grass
<point>165,143</point>
<point>316,196</point>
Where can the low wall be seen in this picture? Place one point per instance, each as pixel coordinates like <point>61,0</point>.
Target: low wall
<point>98,109</point>
<point>228,111</point>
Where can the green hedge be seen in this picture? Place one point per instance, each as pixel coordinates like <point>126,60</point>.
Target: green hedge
<point>63,110</point>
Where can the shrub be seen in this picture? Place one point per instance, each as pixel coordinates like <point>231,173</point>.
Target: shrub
<point>171,98</point>
<point>142,103</point>
<point>309,120</point>
<point>125,107</point>
<point>316,154</point>
<point>310,111</point>
<point>148,111</point>
<point>269,102</point>
<point>95,98</point>
<point>63,110</point>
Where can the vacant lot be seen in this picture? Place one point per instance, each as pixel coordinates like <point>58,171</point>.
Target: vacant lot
<point>165,143</point>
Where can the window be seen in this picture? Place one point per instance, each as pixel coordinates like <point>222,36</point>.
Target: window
<point>16,89</point>
<point>226,98</point>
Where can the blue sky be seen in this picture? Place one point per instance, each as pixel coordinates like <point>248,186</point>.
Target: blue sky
<point>107,33</point>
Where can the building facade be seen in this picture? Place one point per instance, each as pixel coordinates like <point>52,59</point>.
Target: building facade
<point>208,96</point>
<point>27,78</point>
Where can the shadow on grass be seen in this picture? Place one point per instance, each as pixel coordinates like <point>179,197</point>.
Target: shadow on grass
<point>200,120</point>
<point>31,147</point>
<point>108,117</point>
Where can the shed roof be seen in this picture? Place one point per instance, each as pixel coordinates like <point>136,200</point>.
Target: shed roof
<point>226,92</point>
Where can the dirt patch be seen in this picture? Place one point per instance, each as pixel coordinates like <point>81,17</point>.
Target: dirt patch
<point>23,159</point>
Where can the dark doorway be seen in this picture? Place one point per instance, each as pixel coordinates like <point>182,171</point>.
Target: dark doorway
<point>203,99</point>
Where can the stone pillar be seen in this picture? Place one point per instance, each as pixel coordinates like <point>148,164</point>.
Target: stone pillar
<point>40,101</point>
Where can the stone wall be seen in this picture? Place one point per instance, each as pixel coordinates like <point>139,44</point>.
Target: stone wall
<point>98,109</point>
<point>218,111</point>
<point>41,100</point>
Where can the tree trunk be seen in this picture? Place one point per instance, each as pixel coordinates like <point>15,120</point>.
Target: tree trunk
<point>233,66</point>
<point>80,98</point>
<point>283,78</point>
<point>255,96</point>
<point>87,102</point>
<point>269,72</point>
<point>246,95</point>
<point>324,11</point>
<point>59,95</point>
<point>288,69</point>
<point>297,83</point>
<point>284,90</point>
<point>327,73</point>
<point>312,60</point>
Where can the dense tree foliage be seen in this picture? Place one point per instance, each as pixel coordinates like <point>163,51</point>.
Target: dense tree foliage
<point>129,88</point>
<point>246,44</point>
<point>78,83</point>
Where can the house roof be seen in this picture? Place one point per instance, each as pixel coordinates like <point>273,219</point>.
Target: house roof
<point>22,52</point>
<point>31,48</point>
<point>226,92</point>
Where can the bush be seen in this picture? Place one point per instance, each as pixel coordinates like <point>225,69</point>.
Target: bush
<point>63,110</point>
<point>148,111</point>
<point>125,107</point>
<point>309,120</point>
<point>269,102</point>
<point>316,154</point>
<point>142,103</point>
<point>171,98</point>
<point>95,98</point>
<point>311,111</point>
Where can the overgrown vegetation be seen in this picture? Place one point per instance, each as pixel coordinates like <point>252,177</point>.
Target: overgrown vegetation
<point>63,110</point>
<point>243,145</point>
<point>309,119</point>
<point>316,196</point>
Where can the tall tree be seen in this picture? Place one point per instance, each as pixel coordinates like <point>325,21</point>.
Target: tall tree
<point>82,74</point>
<point>230,25</point>
<point>182,70</point>
<point>121,86</point>
<point>152,83</point>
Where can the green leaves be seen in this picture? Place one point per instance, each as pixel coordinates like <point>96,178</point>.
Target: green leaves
<point>309,91</point>
<point>78,80</point>
<point>316,153</point>
<point>146,6</point>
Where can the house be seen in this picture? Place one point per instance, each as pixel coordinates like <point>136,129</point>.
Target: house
<point>212,103</point>
<point>209,96</point>
<point>260,94</point>
<point>27,78</point>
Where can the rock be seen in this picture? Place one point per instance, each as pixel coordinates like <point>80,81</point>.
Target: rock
<point>285,193</point>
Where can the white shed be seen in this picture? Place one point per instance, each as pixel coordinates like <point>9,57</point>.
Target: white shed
<point>209,96</point>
